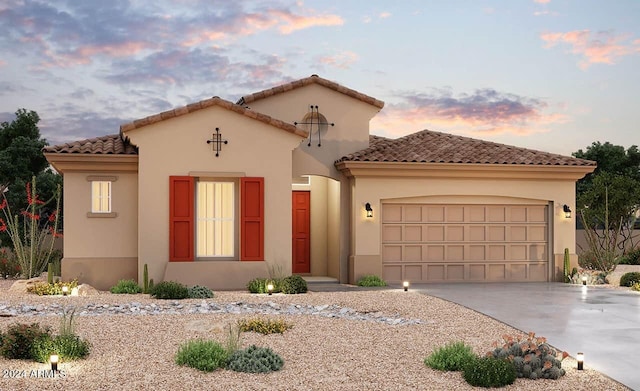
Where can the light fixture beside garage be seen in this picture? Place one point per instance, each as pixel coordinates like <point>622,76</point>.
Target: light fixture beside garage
<point>369,210</point>
<point>567,211</point>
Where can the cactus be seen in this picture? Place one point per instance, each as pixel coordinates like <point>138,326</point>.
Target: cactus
<point>50,273</point>
<point>567,265</point>
<point>151,284</point>
<point>532,357</point>
<point>145,279</point>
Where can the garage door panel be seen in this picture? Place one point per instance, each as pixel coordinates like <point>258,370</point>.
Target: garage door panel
<point>433,243</point>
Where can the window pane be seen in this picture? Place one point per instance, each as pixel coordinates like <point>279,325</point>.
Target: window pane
<point>215,219</point>
<point>100,196</point>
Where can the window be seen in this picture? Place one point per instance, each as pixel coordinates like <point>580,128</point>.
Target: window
<point>215,219</point>
<point>100,197</point>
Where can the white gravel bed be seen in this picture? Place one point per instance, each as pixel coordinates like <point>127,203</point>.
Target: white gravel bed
<point>135,352</point>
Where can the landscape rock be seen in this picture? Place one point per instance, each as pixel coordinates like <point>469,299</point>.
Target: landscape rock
<point>87,290</point>
<point>21,286</point>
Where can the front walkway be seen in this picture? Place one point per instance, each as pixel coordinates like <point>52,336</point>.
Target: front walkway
<point>601,322</point>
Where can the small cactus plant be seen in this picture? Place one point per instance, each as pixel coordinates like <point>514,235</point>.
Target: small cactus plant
<point>145,279</point>
<point>532,357</point>
<point>567,265</point>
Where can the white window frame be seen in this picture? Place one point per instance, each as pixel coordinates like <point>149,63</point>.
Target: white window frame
<point>210,254</point>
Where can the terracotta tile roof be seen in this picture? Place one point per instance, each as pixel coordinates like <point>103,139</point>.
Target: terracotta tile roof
<point>215,101</point>
<point>310,80</point>
<point>434,147</point>
<point>112,144</point>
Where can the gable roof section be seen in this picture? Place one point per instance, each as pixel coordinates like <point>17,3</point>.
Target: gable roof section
<point>435,147</point>
<point>313,79</point>
<point>215,101</point>
<point>112,144</point>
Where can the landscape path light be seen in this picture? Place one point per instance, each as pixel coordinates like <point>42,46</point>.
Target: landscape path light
<point>270,289</point>
<point>65,290</point>
<point>580,359</point>
<point>405,285</point>
<point>53,359</point>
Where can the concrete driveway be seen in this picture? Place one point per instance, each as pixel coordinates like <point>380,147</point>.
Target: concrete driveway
<point>603,323</point>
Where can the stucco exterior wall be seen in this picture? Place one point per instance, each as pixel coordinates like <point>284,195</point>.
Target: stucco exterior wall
<point>178,146</point>
<point>366,232</point>
<point>112,239</point>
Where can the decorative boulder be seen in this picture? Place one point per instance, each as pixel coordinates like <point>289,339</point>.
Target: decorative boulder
<point>21,286</point>
<point>87,290</point>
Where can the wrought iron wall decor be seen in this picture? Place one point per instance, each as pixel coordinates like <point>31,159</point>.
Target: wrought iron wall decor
<point>314,118</point>
<point>217,141</point>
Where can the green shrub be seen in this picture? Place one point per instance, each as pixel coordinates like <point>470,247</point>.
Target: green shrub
<point>46,289</point>
<point>293,285</point>
<point>451,357</point>
<point>255,360</point>
<point>204,355</point>
<point>67,346</point>
<point>631,258</point>
<point>9,266</point>
<point>18,341</point>
<point>126,286</point>
<point>489,372</point>
<point>264,326</point>
<point>628,279</point>
<point>259,285</point>
<point>200,292</point>
<point>532,358</point>
<point>169,290</point>
<point>371,280</point>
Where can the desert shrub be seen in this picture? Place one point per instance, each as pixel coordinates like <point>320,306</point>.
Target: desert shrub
<point>587,260</point>
<point>264,326</point>
<point>18,341</point>
<point>451,357</point>
<point>371,280</point>
<point>594,277</point>
<point>628,279</point>
<point>489,372</point>
<point>631,258</point>
<point>200,292</point>
<point>46,289</point>
<point>255,360</point>
<point>67,346</point>
<point>532,358</point>
<point>293,285</point>
<point>169,290</point>
<point>9,266</point>
<point>259,285</point>
<point>232,342</point>
<point>204,355</point>
<point>126,286</point>
<point>636,287</point>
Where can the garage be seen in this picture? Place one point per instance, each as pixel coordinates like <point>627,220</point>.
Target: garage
<point>458,243</point>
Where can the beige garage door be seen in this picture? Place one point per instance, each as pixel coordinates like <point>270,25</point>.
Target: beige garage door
<point>453,243</point>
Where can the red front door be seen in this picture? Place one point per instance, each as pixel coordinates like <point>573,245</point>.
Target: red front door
<point>301,230</point>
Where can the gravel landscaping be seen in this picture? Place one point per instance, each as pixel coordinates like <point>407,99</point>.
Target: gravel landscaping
<point>361,340</point>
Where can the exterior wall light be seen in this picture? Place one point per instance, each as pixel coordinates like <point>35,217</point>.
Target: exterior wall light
<point>270,289</point>
<point>584,280</point>
<point>53,359</point>
<point>405,285</point>
<point>567,211</point>
<point>65,290</point>
<point>580,359</point>
<point>369,210</point>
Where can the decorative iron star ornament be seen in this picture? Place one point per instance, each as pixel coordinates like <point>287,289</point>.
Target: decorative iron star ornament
<point>314,117</point>
<point>217,141</point>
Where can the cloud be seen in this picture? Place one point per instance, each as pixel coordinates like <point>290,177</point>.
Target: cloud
<point>384,15</point>
<point>484,112</point>
<point>602,47</point>
<point>342,60</point>
<point>289,22</point>
<point>366,19</point>
<point>542,1</point>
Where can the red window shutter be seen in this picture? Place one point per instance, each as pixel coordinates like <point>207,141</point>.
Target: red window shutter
<point>181,218</point>
<point>252,219</point>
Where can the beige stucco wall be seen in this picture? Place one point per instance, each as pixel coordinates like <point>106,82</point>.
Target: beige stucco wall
<point>366,232</point>
<point>110,241</point>
<point>178,147</point>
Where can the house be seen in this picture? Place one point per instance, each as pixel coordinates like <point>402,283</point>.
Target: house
<point>290,180</point>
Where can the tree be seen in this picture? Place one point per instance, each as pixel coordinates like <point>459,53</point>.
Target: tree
<point>21,158</point>
<point>609,198</point>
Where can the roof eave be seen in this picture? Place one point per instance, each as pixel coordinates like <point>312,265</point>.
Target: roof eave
<point>463,170</point>
<point>69,162</point>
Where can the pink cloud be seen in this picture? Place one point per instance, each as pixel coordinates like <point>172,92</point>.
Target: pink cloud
<point>485,112</point>
<point>3,63</point>
<point>384,15</point>
<point>341,60</point>
<point>603,47</point>
<point>542,1</point>
<point>289,22</point>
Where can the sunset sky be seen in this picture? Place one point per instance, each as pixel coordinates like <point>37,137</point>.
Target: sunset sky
<point>553,75</point>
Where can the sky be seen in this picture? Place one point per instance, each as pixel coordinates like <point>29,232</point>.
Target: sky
<point>552,75</point>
